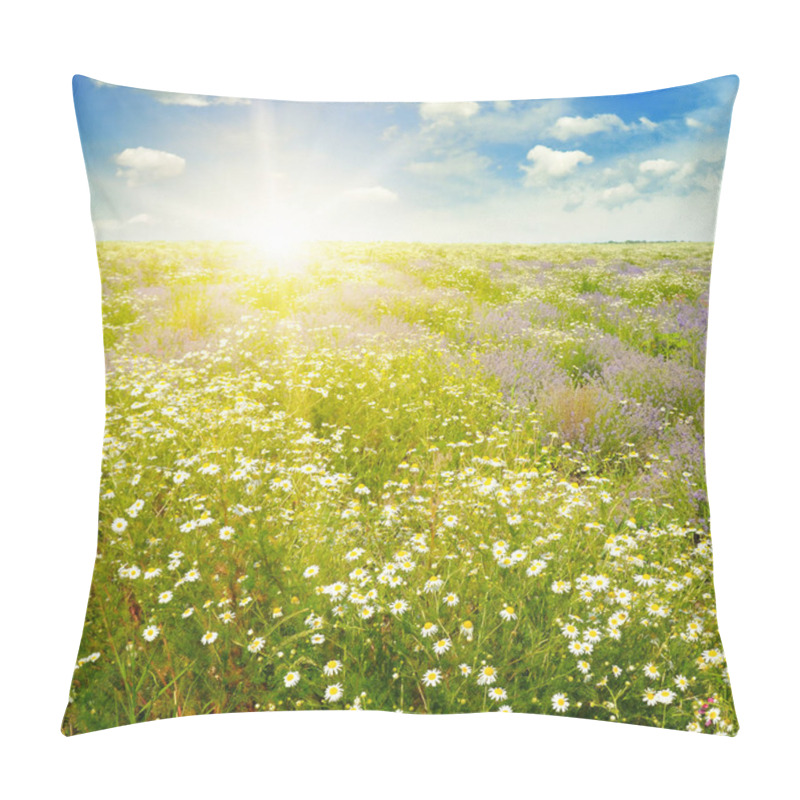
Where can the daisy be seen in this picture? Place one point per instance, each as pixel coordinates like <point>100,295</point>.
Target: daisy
<point>441,647</point>
<point>665,696</point>
<point>487,675</point>
<point>311,571</point>
<point>165,597</point>
<point>570,631</point>
<point>151,632</point>
<point>432,677</point>
<point>451,600</point>
<point>209,637</point>
<point>290,679</point>
<point>188,613</point>
<point>559,702</point>
<point>257,645</point>
<point>651,671</point>
<point>465,670</point>
<point>497,694</point>
<point>682,682</point>
<point>429,629</point>
<point>508,613</point>
<point>226,533</point>
<point>399,607</point>
<point>119,525</point>
<point>332,667</point>
<point>467,629</point>
<point>318,638</point>
<point>650,697</point>
<point>334,693</point>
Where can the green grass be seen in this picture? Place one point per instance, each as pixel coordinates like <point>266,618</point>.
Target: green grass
<point>356,422</point>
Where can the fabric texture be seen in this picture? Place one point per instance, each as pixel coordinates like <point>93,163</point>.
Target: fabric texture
<point>404,407</point>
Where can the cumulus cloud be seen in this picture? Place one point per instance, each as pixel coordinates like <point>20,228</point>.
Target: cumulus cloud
<point>658,166</point>
<point>618,196</point>
<point>691,122</point>
<point>140,165</point>
<point>548,163</point>
<point>572,127</point>
<point>371,194</point>
<point>648,123</point>
<point>446,114</point>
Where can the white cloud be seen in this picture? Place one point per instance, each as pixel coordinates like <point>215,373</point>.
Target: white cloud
<point>648,123</point>
<point>198,100</point>
<point>139,219</point>
<point>390,133</point>
<point>571,127</point>
<point>547,163</point>
<point>658,166</point>
<point>694,123</point>
<point>142,165</point>
<point>618,195</point>
<point>684,172</point>
<point>462,165</point>
<point>445,114</point>
<point>502,105</point>
<point>371,194</point>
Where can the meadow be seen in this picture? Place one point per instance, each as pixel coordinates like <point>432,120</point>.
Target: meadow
<point>404,477</point>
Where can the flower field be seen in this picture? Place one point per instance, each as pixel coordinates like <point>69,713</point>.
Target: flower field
<point>404,477</point>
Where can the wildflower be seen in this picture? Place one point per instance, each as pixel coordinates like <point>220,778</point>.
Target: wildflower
<point>151,632</point>
<point>487,675</point>
<point>399,607</point>
<point>560,703</point>
<point>497,694</point>
<point>433,677</point>
<point>165,597</point>
<point>665,696</point>
<point>451,600</point>
<point>257,645</point>
<point>311,571</point>
<point>442,646</point>
<point>651,671</point>
<point>291,679</point>
<point>467,629</point>
<point>429,629</point>
<point>209,637</point>
<point>508,613</point>
<point>570,631</point>
<point>119,525</point>
<point>465,670</point>
<point>332,667</point>
<point>650,697</point>
<point>334,693</point>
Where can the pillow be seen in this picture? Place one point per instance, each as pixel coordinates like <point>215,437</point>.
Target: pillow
<point>404,407</point>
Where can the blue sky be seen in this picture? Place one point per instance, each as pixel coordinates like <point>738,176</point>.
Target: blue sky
<point>179,166</point>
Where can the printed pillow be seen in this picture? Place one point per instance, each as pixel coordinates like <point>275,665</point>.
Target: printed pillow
<point>405,407</point>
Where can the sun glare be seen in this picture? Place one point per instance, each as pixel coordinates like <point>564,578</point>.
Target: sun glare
<point>283,249</point>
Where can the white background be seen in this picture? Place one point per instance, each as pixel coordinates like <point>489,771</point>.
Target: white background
<point>53,384</point>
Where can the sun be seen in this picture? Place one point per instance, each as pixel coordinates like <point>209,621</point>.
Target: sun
<point>283,248</point>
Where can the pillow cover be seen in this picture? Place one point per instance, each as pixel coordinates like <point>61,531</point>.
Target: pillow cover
<point>404,407</point>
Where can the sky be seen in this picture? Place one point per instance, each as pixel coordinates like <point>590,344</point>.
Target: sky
<point>172,166</point>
